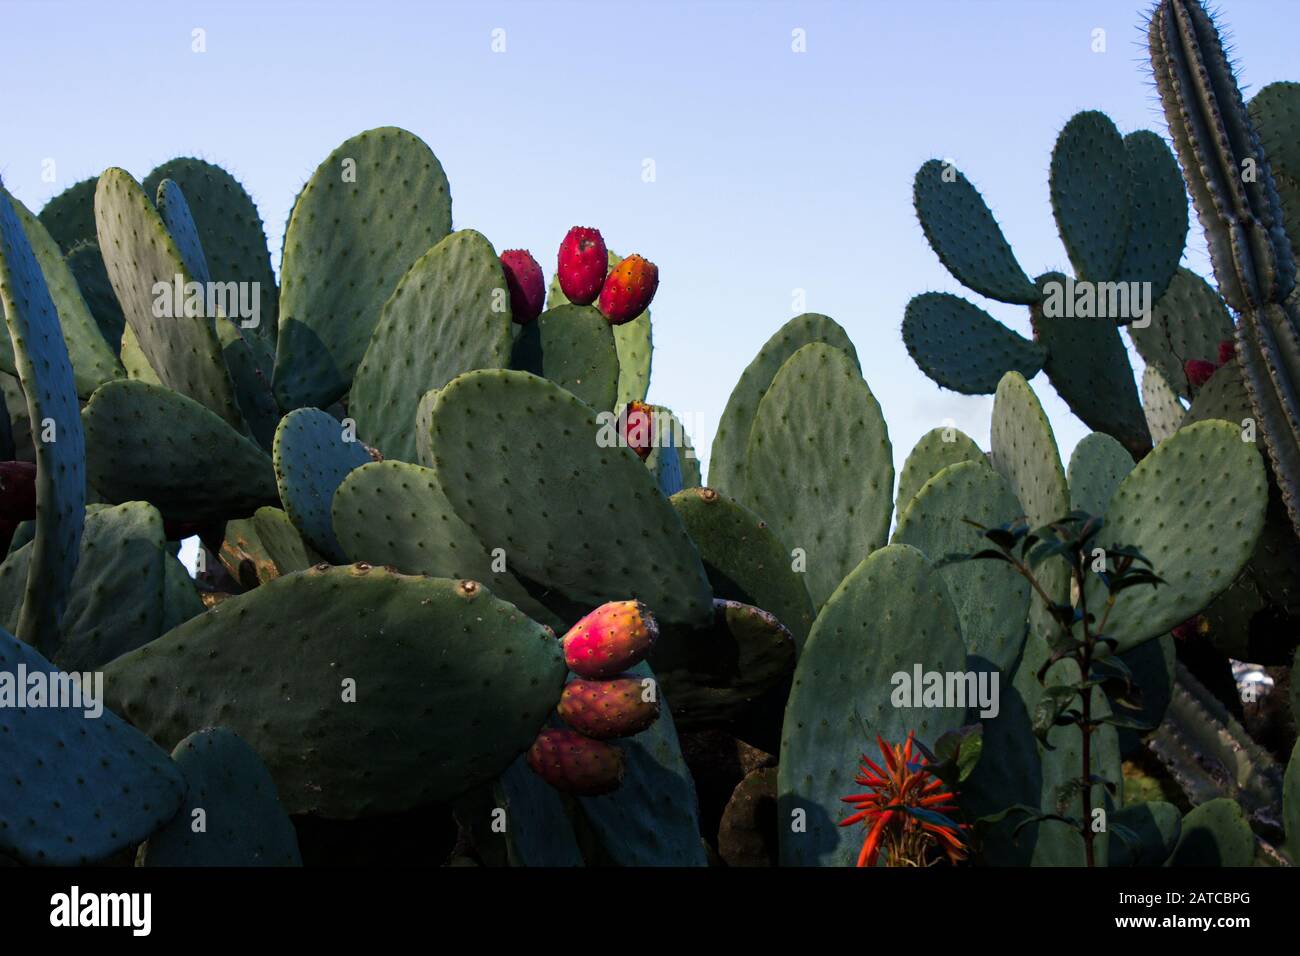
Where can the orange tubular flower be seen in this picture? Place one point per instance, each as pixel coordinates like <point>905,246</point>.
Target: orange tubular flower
<point>904,810</point>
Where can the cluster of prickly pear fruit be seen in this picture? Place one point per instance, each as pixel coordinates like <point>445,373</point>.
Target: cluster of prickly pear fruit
<point>622,293</point>
<point>601,703</point>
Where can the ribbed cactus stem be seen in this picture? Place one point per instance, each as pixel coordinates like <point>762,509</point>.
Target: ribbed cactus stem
<point>1237,202</point>
<point>1221,156</point>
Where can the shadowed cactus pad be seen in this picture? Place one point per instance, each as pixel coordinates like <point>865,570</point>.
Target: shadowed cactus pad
<point>76,788</point>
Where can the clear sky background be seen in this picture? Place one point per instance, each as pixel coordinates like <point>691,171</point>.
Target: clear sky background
<point>775,170</point>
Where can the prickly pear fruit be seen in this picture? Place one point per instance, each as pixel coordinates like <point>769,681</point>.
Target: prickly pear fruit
<point>604,709</point>
<point>637,428</point>
<point>1227,351</point>
<point>610,639</point>
<point>572,763</point>
<point>1199,371</point>
<point>628,290</point>
<point>582,265</point>
<point>1197,626</point>
<point>526,285</point>
<point>17,491</point>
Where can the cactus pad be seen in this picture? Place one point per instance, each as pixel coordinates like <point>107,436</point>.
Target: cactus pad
<point>962,347</point>
<point>312,457</point>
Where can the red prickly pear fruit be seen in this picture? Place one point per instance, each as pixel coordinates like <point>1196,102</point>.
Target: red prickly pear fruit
<point>629,289</point>
<point>1199,371</point>
<point>17,491</point>
<point>610,639</point>
<point>604,709</point>
<point>1227,351</point>
<point>575,764</point>
<point>637,428</point>
<point>582,265</point>
<point>526,284</point>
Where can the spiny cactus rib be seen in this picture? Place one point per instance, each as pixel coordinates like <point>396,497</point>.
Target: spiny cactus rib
<point>1242,218</point>
<point>45,372</point>
<point>1210,755</point>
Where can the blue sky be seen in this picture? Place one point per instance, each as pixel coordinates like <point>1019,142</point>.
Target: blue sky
<point>775,170</point>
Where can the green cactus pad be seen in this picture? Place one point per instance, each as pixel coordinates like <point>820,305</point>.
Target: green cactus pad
<point>1091,189</point>
<point>819,438</point>
<point>1215,834</point>
<point>1275,111</point>
<point>962,347</point>
<point>1024,452</point>
<point>76,790</point>
<point>45,373</point>
<point>176,216</point>
<point>249,361</point>
<point>574,347</point>
<point>146,442</point>
<point>183,350</point>
<point>135,361</point>
<point>93,362</point>
<point>937,449</point>
<point>727,458</point>
<point>652,819</point>
<point>450,685</point>
<point>312,456</point>
<point>538,829</point>
<point>449,314</point>
<point>1152,666</point>
<point>115,599</point>
<point>1156,825</point>
<point>1187,322</point>
<point>87,268</point>
<point>20,427</point>
<point>1194,507</point>
<point>1223,398</point>
<point>246,558</point>
<point>1157,229</point>
<point>672,458</point>
<point>633,340</point>
<point>714,675</point>
<point>1089,367</point>
<point>392,513</point>
<point>891,614</point>
<point>229,228</point>
<point>424,427</point>
<point>966,237</point>
<point>991,598</point>
<point>744,559</point>
<point>70,216</point>
<point>1160,404</point>
<point>231,815</point>
<point>502,441</point>
<point>1098,465</point>
<point>370,210</point>
<point>283,544</point>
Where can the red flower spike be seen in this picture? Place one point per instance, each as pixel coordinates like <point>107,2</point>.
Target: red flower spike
<point>884,810</point>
